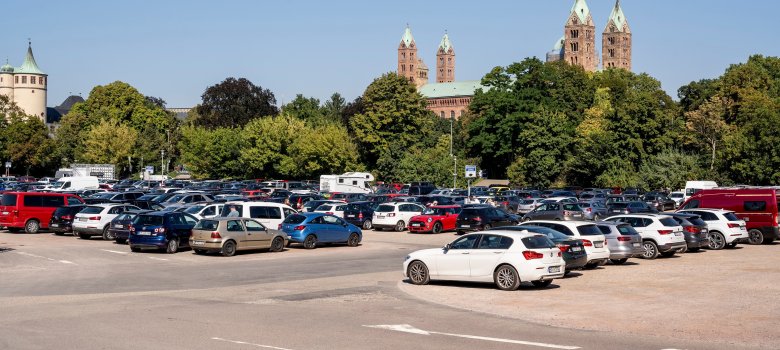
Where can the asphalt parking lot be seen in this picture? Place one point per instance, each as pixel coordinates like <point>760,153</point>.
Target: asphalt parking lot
<point>63,292</point>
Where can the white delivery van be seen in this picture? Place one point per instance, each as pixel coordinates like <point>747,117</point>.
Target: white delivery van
<point>74,183</point>
<point>692,187</point>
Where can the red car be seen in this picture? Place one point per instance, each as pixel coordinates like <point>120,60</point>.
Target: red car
<point>435,219</point>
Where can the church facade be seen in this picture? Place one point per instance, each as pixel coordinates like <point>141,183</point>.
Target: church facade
<point>26,85</point>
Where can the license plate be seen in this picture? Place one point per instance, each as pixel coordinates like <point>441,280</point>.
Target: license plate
<point>82,219</point>
<point>198,242</point>
<point>598,244</point>
<point>54,225</point>
<point>678,234</point>
<point>637,245</point>
<point>119,226</point>
<point>576,249</point>
<point>464,226</point>
<point>5,213</point>
<point>554,269</point>
<point>416,225</point>
<point>144,233</point>
<point>350,216</point>
<point>380,216</point>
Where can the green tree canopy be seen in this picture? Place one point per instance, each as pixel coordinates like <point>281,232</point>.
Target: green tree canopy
<point>234,103</point>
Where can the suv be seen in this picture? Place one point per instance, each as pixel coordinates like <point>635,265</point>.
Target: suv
<point>95,220</point>
<point>395,215</point>
<point>726,229</point>
<point>695,230</point>
<point>113,197</point>
<point>360,214</point>
<point>62,220</point>
<point>623,240</point>
<point>185,198</point>
<point>483,217</point>
<point>594,241</point>
<point>421,188</point>
<point>661,234</point>
<point>161,230</point>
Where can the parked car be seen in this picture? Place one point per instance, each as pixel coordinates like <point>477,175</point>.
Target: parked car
<point>336,208</point>
<point>164,231</point>
<point>695,230</point>
<point>659,201</point>
<point>269,214</point>
<point>32,211</point>
<point>678,198</point>
<point>593,210</point>
<point>185,198</point>
<point>205,210</point>
<point>360,214</point>
<point>556,211</point>
<point>757,206</point>
<point>624,241</point>
<point>120,225</point>
<point>661,234</point>
<point>572,249</point>
<point>95,220</point>
<point>435,219</point>
<point>593,196</point>
<point>311,206</point>
<point>229,235</point>
<point>634,207</point>
<point>113,197</point>
<point>420,188</point>
<point>506,202</point>
<point>62,219</point>
<point>725,228</point>
<point>505,258</point>
<point>395,215</point>
<point>594,241</point>
<point>311,229</point>
<point>483,217</point>
<point>297,201</point>
<point>528,204</point>
<point>349,197</point>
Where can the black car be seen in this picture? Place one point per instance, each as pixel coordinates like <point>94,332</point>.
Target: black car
<point>120,226</point>
<point>629,208</point>
<point>360,214</point>
<point>113,197</point>
<point>421,188</point>
<point>298,201</point>
<point>483,217</point>
<point>62,220</point>
<point>695,230</point>
<point>572,249</point>
<point>659,201</point>
<point>349,197</point>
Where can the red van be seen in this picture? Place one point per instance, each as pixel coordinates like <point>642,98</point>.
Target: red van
<point>757,206</point>
<point>31,211</point>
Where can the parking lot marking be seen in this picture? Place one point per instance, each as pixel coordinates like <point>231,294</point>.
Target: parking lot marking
<point>251,344</point>
<point>161,259</point>
<point>67,262</point>
<point>410,329</point>
<point>114,251</point>
<point>45,258</point>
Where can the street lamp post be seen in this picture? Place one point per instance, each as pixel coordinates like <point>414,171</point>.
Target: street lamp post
<point>162,162</point>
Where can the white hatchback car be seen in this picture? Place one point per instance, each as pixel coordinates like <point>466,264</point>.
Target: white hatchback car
<point>726,229</point>
<point>395,215</point>
<point>661,234</point>
<point>505,258</point>
<point>335,209</point>
<point>592,238</point>
<point>95,220</point>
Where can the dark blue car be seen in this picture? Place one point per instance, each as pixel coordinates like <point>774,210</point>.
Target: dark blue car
<point>161,230</point>
<point>311,229</point>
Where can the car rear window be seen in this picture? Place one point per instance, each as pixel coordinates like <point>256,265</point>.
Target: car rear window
<point>619,205</point>
<point>697,221</point>
<point>8,199</point>
<point>294,219</point>
<point>731,217</point>
<point>668,222</point>
<point>604,229</point>
<point>91,210</point>
<point>528,201</point>
<point>588,230</point>
<point>148,220</point>
<point>627,230</point>
<point>206,225</point>
<point>538,242</point>
<point>385,208</point>
<point>571,207</point>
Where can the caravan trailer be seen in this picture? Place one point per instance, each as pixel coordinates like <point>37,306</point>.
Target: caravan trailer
<point>352,182</point>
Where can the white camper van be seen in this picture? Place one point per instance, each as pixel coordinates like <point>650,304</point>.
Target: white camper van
<point>75,183</point>
<point>347,183</point>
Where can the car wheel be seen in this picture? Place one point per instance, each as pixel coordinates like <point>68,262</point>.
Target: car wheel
<point>32,226</point>
<point>172,246</point>
<point>199,251</point>
<point>486,227</point>
<point>353,240</point>
<point>277,245</point>
<point>618,261</point>
<point>310,242</point>
<point>755,237</point>
<point>506,278</point>
<point>367,225</point>
<point>135,249</point>
<point>668,254</point>
<point>651,250</point>
<point>121,241</point>
<point>541,284</point>
<point>436,228</point>
<point>400,226</point>
<point>229,248</point>
<point>597,217</point>
<point>84,235</point>
<point>107,235</point>
<point>418,273</point>
<point>717,241</point>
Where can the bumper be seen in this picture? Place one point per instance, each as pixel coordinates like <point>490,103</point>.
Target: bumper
<point>624,251</point>
<point>738,237</point>
<point>769,232</point>
<point>574,263</point>
<point>468,227</point>
<point>663,248</point>
<point>694,241</point>
<point>59,228</point>
<point>296,237</point>
<point>206,245</point>
<point>424,227</point>
<point>543,273</point>
<point>119,233</point>
<point>90,230</point>
<point>147,241</point>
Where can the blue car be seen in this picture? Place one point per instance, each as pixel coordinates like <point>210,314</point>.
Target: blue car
<point>162,230</point>
<point>311,229</point>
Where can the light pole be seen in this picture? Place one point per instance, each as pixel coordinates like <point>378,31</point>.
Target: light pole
<point>162,162</point>
<point>455,159</point>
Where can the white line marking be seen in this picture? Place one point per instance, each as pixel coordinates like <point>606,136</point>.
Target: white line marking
<point>114,251</point>
<point>409,329</point>
<point>161,259</point>
<point>67,262</point>
<point>45,258</point>
<point>245,343</point>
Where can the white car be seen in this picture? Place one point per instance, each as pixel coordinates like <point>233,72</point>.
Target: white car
<point>678,198</point>
<point>205,211</point>
<point>335,209</point>
<point>661,234</point>
<point>95,220</point>
<point>269,214</point>
<point>592,238</point>
<point>725,228</point>
<point>529,204</point>
<point>505,258</point>
<point>560,200</point>
<point>395,215</point>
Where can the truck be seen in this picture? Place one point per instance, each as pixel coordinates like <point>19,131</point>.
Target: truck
<point>101,171</point>
<point>351,182</point>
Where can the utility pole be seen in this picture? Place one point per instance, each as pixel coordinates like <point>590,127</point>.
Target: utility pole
<point>162,162</point>
<point>455,174</point>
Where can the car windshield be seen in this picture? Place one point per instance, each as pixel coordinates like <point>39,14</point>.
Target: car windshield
<point>91,210</point>
<point>194,209</point>
<point>175,198</point>
<point>435,211</point>
<point>160,198</point>
<point>207,225</point>
<point>528,201</point>
<point>730,216</point>
<point>148,220</point>
<point>385,208</point>
<point>571,207</point>
<point>669,222</point>
<point>294,219</point>
<point>588,230</point>
<point>104,195</point>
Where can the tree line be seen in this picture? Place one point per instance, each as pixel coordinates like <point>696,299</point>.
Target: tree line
<point>538,124</point>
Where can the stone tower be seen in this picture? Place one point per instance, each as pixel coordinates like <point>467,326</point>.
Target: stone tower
<point>580,38</point>
<point>616,40</point>
<point>410,65</point>
<point>26,86</point>
<point>445,61</point>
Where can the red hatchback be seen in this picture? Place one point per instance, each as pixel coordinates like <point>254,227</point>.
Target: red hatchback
<point>435,219</point>
<point>32,211</point>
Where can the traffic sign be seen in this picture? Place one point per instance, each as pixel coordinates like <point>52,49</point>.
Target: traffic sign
<point>149,169</point>
<point>471,171</point>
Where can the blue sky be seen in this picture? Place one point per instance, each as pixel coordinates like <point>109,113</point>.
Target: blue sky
<point>175,49</point>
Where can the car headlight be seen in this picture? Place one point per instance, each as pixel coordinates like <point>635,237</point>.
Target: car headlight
<point>429,220</point>
<point>407,257</point>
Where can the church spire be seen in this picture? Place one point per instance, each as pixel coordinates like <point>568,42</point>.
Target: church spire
<point>29,66</point>
<point>581,10</point>
<point>616,40</point>
<point>445,60</point>
<point>617,19</point>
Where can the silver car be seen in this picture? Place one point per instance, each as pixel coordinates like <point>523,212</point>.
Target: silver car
<point>593,210</point>
<point>526,205</point>
<point>555,211</point>
<point>623,240</point>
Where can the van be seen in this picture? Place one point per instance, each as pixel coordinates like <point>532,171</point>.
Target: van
<point>269,214</point>
<point>32,211</point>
<point>75,183</point>
<point>757,206</point>
<point>692,187</point>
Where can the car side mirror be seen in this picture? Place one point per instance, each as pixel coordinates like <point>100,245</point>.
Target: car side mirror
<point>447,247</point>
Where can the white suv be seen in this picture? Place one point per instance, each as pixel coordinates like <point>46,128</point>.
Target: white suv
<point>95,220</point>
<point>395,215</point>
<point>726,229</point>
<point>661,234</point>
<point>592,238</point>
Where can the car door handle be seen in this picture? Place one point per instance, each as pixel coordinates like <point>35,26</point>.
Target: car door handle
<point>497,252</point>
<point>465,253</point>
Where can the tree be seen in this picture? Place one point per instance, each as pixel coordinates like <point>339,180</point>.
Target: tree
<point>669,170</point>
<point>320,150</point>
<point>334,107</point>
<point>267,141</point>
<point>234,103</point>
<point>307,109</point>
<point>26,144</point>
<point>212,154</point>
<point>707,123</point>
<point>109,143</point>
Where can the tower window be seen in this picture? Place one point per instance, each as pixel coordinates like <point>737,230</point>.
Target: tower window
<point>575,33</point>
<point>575,47</point>
<point>449,59</point>
<point>16,79</point>
<point>442,114</point>
<point>452,114</point>
<point>24,79</point>
<point>32,80</point>
<point>411,55</point>
<point>42,81</point>
<point>411,67</point>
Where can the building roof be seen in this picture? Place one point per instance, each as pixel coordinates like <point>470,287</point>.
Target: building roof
<point>29,66</point>
<point>618,18</point>
<point>559,44</point>
<point>407,39</point>
<point>6,68</point>
<point>445,43</point>
<point>453,89</point>
<point>581,9</point>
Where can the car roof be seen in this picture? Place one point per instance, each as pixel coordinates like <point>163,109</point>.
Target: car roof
<point>108,205</point>
<point>576,223</point>
<point>512,233</point>
<point>256,204</point>
<point>710,210</point>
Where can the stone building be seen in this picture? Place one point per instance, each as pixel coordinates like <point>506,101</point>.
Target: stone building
<point>616,40</point>
<point>580,38</point>
<point>26,85</point>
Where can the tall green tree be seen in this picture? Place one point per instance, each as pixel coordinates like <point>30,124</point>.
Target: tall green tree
<point>212,154</point>
<point>234,103</point>
<point>27,144</point>
<point>109,142</point>
<point>267,142</point>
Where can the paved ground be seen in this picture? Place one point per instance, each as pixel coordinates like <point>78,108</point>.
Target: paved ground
<point>66,293</point>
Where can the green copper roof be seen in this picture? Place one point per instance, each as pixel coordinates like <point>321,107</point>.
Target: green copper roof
<point>6,68</point>
<point>617,17</point>
<point>581,9</point>
<point>559,44</point>
<point>407,39</point>
<point>29,66</point>
<point>454,89</point>
<point>445,44</point>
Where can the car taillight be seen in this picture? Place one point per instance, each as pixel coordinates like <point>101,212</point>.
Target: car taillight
<point>665,232</point>
<point>477,218</point>
<point>391,215</point>
<point>589,210</point>
<point>529,255</point>
<point>215,234</point>
<point>731,225</point>
<point>563,247</point>
<point>299,228</point>
<point>506,203</point>
<point>691,229</point>
<point>587,243</point>
<point>94,218</point>
<point>159,230</point>
<point>67,217</point>
<point>131,228</point>
<point>360,216</point>
<point>329,213</point>
<point>624,239</point>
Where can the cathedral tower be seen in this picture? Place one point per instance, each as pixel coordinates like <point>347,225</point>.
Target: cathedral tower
<point>445,61</point>
<point>580,37</point>
<point>410,65</point>
<point>616,40</point>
